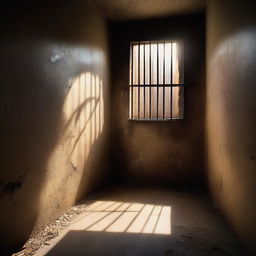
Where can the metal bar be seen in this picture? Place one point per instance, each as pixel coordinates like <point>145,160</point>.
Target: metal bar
<point>171,81</point>
<point>183,76</point>
<point>95,107</point>
<point>144,84</point>
<point>139,81</point>
<point>154,85</point>
<point>99,98</point>
<point>157,68</point>
<point>164,82</point>
<point>91,101</point>
<point>132,84</point>
<point>150,91</point>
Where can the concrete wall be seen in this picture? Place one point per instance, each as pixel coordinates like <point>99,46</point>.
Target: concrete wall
<point>159,152</point>
<point>54,112</point>
<point>231,112</point>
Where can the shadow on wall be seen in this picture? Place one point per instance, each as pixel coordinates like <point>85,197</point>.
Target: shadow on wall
<point>52,132</point>
<point>53,102</point>
<point>231,127</point>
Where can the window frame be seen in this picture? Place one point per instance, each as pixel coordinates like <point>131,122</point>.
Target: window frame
<point>157,85</point>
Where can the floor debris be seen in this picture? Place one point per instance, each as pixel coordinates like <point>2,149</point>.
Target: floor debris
<point>50,231</point>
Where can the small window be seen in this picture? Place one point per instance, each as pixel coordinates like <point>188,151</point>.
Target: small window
<point>156,87</point>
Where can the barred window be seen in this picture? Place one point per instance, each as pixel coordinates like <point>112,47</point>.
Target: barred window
<point>156,87</point>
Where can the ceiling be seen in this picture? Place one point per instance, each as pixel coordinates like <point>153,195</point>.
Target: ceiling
<point>140,9</point>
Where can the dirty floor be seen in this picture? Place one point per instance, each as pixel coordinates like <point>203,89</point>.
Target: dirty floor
<point>145,221</point>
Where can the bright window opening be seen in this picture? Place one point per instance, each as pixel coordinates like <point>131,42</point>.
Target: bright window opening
<point>156,87</point>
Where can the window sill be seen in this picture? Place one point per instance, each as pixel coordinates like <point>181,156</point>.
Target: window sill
<point>155,120</point>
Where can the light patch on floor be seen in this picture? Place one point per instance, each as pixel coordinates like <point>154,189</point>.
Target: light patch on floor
<point>144,221</point>
<point>111,216</point>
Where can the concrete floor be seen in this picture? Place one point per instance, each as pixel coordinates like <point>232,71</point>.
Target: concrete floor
<point>132,221</point>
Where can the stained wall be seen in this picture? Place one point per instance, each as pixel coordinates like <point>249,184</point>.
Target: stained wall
<point>54,113</point>
<point>170,152</point>
<point>231,111</point>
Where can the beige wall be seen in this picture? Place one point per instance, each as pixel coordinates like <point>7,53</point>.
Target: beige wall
<point>54,114</point>
<point>231,112</point>
<point>171,152</point>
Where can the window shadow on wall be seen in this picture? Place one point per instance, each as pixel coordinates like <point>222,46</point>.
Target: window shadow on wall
<point>53,99</point>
